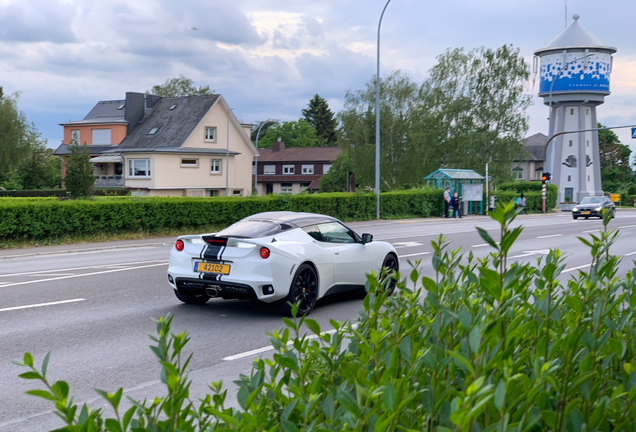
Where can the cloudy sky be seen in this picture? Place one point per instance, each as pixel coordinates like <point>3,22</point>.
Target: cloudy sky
<point>268,57</point>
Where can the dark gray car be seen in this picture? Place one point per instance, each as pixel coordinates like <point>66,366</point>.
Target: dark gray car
<point>593,207</point>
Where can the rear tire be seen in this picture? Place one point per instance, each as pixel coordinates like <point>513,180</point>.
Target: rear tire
<point>391,265</point>
<point>192,299</point>
<point>303,290</point>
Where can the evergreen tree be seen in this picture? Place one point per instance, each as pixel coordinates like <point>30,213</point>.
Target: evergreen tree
<point>79,178</point>
<point>318,115</point>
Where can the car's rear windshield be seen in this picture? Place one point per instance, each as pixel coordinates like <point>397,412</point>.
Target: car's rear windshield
<point>250,229</point>
<point>590,200</point>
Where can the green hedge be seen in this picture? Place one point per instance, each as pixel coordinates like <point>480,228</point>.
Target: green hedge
<point>59,193</point>
<point>49,218</point>
<point>521,186</point>
<point>533,199</point>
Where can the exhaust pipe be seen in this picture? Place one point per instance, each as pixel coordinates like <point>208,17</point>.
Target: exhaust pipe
<point>212,291</point>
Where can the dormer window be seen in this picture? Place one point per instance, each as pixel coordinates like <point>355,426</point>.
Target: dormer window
<point>210,134</point>
<point>153,131</point>
<point>121,107</point>
<point>173,106</point>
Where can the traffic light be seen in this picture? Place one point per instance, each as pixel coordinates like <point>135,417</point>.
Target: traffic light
<point>546,176</point>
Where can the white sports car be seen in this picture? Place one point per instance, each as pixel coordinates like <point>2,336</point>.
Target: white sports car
<point>282,257</point>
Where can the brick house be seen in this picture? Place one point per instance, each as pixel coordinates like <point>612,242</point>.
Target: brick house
<point>292,169</point>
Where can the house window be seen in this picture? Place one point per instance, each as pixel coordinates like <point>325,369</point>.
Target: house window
<point>570,143</point>
<point>75,136</point>
<point>269,169</point>
<point>326,168</point>
<point>588,178</point>
<point>153,131</point>
<point>571,111</point>
<point>288,169</point>
<point>569,178</point>
<point>253,169</point>
<point>308,169</point>
<point>588,143</point>
<point>517,173</point>
<point>538,173</point>
<point>101,136</point>
<point>213,193</point>
<point>587,111</point>
<point>189,162</point>
<point>139,167</point>
<point>237,192</point>
<point>210,134</point>
<point>286,188</point>
<point>216,166</point>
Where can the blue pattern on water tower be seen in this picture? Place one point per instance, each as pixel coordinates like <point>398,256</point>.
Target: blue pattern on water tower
<point>574,73</point>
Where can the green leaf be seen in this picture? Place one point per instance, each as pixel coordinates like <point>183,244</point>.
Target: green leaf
<point>389,397</point>
<point>313,325</point>
<point>45,363</point>
<point>30,375</point>
<point>348,402</point>
<point>42,393</point>
<point>484,235</point>
<point>462,361</point>
<point>500,395</point>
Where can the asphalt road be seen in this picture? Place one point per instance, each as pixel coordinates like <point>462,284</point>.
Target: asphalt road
<point>90,305</point>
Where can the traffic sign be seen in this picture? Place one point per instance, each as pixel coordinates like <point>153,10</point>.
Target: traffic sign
<point>634,132</point>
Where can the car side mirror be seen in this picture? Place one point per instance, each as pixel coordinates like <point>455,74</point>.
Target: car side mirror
<point>367,238</point>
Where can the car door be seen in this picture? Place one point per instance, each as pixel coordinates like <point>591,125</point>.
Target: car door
<point>351,259</point>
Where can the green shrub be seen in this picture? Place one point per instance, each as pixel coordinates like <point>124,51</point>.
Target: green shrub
<point>521,186</point>
<point>533,199</point>
<point>46,218</point>
<point>481,345</point>
<point>59,193</point>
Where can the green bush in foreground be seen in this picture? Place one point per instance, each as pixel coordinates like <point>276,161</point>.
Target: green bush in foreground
<point>483,345</point>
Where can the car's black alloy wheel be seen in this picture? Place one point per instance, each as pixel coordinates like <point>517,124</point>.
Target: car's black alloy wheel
<point>303,291</point>
<point>389,268</point>
<point>192,299</point>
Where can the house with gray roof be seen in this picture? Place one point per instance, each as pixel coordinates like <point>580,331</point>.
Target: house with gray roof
<point>181,146</point>
<point>529,165</point>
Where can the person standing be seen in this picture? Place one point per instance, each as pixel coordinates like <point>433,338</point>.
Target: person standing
<point>521,202</point>
<point>447,201</point>
<point>456,202</point>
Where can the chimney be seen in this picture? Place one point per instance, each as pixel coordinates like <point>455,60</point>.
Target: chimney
<point>151,100</point>
<point>133,110</point>
<point>278,145</point>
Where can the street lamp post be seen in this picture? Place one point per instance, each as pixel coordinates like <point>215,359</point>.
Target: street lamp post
<point>256,162</point>
<point>377,122</point>
<point>227,155</point>
<point>556,77</point>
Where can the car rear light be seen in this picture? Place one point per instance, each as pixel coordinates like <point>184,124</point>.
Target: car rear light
<point>216,241</point>
<point>179,245</point>
<point>264,253</point>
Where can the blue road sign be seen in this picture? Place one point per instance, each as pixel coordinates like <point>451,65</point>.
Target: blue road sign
<point>633,133</point>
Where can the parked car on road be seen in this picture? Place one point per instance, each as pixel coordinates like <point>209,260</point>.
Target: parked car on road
<point>593,207</point>
<point>277,257</point>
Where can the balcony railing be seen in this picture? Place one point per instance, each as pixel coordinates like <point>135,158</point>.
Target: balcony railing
<point>109,181</point>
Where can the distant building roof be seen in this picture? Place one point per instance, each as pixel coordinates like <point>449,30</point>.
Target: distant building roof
<point>173,126</point>
<point>575,36</point>
<point>299,154</point>
<point>103,112</point>
<point>535,146</point>
<point>188,150</point>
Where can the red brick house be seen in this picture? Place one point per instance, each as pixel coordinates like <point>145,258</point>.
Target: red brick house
<point>292,169</point>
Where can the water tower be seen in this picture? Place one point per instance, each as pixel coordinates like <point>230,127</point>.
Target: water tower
<point>574,79</point>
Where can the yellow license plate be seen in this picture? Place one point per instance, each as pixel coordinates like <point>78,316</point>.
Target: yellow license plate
<point>211,268</point>
<point>585,212</point>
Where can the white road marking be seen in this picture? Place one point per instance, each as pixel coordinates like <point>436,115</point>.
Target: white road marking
<point>406,244</point>
<point>41,305</point>
<point>591,231</point>
<point>78,268</point>
<point>626,226</point>
<point>548,236</point>
<point>271,347</point>
<point>530,253</point>
<point>576,268</point>
<point>410,255</point>
<point>480,245</point>
<point>630,254</point>
<point>81,275</point>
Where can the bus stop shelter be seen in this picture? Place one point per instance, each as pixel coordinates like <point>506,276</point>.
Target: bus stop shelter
<point>468,183</point>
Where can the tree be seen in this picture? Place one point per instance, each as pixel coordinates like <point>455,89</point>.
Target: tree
<point>614,159</point>
<point>266,124</point>
<point>471,110</point>
<point>318,115</point>
<point>293,134</point>
<point>79,178</point>
<point>181,86</point>
<point>336,179</point>
<point>14,134</point>
<point>40,169</point>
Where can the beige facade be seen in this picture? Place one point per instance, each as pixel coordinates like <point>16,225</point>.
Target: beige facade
<point>197,173</point>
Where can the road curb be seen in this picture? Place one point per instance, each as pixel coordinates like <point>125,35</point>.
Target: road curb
<point>96,249</point>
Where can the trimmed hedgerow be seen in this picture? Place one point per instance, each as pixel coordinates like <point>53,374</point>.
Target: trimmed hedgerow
<point>48,218</point>
<point>533,199</point>
<point>59,193</point>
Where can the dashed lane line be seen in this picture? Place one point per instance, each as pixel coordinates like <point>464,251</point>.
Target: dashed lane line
<point>414,254</point>
<point>630,254</point>
<point>78,268</point>
<point>549,236</point>
<point>41,305</point>
<point>82,275</point>
<point>576,268</point>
